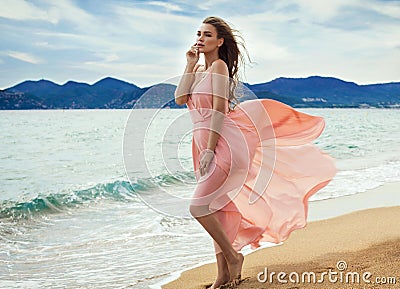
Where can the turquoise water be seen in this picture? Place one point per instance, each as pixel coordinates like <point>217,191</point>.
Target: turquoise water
<point>70,218</point>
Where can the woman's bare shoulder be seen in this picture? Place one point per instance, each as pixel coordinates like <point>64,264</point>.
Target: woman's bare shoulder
<point>219,66</point>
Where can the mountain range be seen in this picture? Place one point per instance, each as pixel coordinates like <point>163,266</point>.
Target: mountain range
<point>313,91</point>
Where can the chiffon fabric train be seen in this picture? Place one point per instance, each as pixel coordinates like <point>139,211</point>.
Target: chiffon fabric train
<point>264,169</point>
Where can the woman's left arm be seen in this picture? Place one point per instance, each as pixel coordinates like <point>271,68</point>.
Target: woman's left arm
<point>220,89</point>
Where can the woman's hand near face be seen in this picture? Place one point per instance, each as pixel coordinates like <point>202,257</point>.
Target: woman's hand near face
<point>182,91</point>
<point>193,55</point>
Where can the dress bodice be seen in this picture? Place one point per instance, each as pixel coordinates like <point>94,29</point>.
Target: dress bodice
<point>200,102</point>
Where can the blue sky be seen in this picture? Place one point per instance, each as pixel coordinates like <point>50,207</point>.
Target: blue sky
<point>144,42</point>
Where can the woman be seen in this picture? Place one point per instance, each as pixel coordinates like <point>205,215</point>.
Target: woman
<point>255,164</point>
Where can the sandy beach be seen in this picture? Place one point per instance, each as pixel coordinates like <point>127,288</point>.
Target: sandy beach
<point>350,242</point>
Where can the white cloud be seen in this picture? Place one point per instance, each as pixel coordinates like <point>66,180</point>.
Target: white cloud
<point>259,33</point>
<point>167,6</point>
<point>388,8</point>
<point>23,10</point>
<point>26,57</point>
<point>323,10</point>
<point>108,57</point>
<point>50,11</point>
<point>151,22</point>
<point>68,11</point>
<point>59,34</point>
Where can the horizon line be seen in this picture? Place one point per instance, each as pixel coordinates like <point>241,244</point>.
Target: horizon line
<point>122,80</point>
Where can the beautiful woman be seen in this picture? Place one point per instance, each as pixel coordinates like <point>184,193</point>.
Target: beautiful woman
<point>254,161</point>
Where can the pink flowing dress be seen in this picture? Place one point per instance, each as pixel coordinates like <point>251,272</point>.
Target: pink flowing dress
<point>264,169</point>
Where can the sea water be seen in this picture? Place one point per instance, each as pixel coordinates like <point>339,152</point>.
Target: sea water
<point>71,218</point>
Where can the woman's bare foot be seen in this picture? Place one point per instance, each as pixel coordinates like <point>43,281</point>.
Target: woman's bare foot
<point>223,276</point>
<point>221,280</point>
<point>235,269</point>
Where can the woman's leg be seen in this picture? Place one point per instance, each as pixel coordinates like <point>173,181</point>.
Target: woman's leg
<point>230,220</point>
<point>211,224</point>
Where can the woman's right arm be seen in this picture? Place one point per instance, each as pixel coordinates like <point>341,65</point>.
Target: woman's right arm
<point>182,91</point>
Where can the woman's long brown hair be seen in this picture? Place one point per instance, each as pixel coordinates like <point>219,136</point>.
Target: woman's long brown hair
<point>229,52</point>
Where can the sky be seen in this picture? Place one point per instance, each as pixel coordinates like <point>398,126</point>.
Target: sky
<point>144,42</point>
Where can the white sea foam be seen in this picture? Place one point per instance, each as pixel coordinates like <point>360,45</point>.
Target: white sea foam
<point>349,182</point>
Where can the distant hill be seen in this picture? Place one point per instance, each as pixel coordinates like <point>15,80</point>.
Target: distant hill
<point>330,92</point>
<point>106,93</point>
<point>314,91</point>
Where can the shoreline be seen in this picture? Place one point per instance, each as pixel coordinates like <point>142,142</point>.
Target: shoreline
<point>385,195</point>
<point>364,215</point>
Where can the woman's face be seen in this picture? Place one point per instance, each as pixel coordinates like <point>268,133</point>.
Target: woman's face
<point>207,40</point>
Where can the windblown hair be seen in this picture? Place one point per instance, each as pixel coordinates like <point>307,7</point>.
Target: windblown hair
<point>229,52</point>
